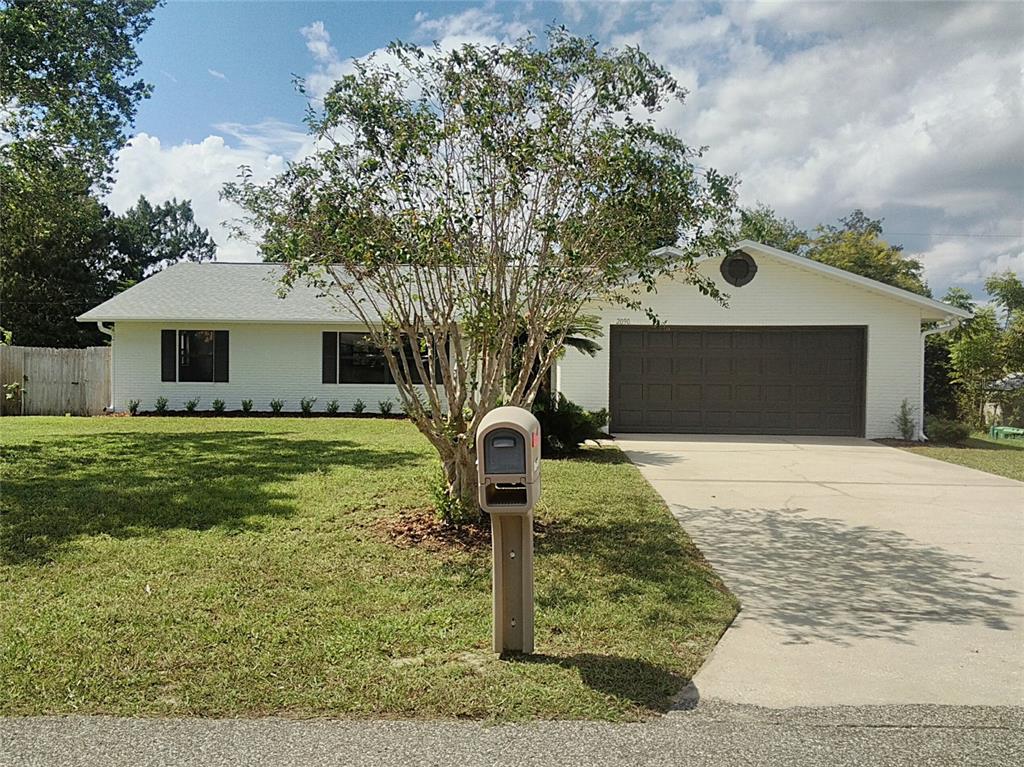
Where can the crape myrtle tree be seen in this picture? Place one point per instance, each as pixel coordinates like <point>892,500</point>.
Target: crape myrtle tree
<point>467,204</point>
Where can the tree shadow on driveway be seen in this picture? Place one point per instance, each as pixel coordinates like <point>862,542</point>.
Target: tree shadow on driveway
<point>131,485</point>
<point>817,578</point>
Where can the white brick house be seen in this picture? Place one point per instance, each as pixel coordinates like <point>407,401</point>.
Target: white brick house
<point>802,348</point>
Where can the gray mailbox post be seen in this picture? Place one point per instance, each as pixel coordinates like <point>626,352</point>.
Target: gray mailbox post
<point>508,474</point>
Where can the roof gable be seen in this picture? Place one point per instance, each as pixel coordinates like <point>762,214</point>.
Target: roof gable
<point>930,308</point>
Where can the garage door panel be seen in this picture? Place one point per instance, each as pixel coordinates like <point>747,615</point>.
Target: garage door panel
<point>687,341</point>
<point>718,419</point>
<point>686,419</point>
<point>716,394</point>
<point>659,393</point>
<point>658,366</point>
<point>740,380</point>
<point>777,366</point>
<point>631,393</point>
<point>717,365</point>
<point>658,418</point>
<point>655,341</point>
<point>746,393</point>
<point>747,366</point>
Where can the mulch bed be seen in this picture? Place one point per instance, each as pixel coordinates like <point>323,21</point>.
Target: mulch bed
<point>422,528</point>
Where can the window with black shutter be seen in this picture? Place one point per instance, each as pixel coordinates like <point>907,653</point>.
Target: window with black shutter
<point>194,356</point>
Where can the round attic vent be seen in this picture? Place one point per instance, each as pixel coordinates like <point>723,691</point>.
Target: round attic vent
<point>738,268</point>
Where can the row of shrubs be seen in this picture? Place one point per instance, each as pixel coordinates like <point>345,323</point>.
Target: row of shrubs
<point>564,424</point>
<point>276,406</point>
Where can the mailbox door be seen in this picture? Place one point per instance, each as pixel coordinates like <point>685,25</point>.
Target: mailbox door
<point>504,452</point>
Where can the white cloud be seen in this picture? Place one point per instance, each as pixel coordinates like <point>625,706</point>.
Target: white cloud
<point>318,42</point>
<point>219,75</point>
<point>196,172</point>
<point>911,111</point>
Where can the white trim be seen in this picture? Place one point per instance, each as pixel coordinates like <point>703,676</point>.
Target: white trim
<point>801,262</point>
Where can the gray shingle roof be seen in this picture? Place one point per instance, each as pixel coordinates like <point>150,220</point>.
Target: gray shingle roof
<point>219,291</point>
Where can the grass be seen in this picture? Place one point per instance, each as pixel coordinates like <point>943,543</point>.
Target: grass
<point>233,567</point>
<point>1004,457</point>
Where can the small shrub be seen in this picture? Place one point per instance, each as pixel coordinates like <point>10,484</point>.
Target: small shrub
<point>306,405</point>
<point>332,406</point>
<point>276,405</point>
<point>246,405</point>
<point>385,406</point>
<point>564,425</point>
<point>946,432</point>
<point>904,420</point>
<point>449,510</point>
<point>192,404</point>
<point>161,405</point>
<point>218,405</point>
<point>358,407</point>
<point>133,406</point>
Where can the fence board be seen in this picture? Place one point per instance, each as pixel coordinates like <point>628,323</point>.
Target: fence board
<point>56,381</point>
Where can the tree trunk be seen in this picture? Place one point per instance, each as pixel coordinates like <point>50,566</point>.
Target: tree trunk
<point>460,485</point>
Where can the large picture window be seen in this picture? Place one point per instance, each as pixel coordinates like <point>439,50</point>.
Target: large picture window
<point>194,356</point>
<point>350,358</point>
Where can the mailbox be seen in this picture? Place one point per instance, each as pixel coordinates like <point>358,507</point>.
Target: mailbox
<point>508,461</point>
<point>508,476</point>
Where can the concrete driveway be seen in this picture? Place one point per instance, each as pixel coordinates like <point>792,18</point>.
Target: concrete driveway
<point>868,575</point>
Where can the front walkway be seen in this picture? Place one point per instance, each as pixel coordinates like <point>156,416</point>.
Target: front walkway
<point>867,574</point>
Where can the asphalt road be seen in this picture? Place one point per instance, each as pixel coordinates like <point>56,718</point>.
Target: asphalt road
<point>712,734</point>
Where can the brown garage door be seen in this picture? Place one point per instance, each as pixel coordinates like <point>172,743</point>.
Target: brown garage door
<point>733,380</point>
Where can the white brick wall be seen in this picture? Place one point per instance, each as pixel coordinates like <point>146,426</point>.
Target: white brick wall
<point>271,361</point>
<point>779,295</point>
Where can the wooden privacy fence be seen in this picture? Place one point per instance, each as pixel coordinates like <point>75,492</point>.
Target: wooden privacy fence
<point>55,381</point>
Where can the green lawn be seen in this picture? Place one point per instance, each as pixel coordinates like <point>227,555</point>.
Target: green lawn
<point>236,567</point>
<point>996,456</point>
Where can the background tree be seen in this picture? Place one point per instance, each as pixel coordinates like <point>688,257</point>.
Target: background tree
<point>68,81</point>
<point>856,245</point>
<point>68,94</point>
<point>461,193</point>
<point>977,360</point>
<point>764,225</point>
<point>941,393</point>
<point>1007,290</point>
<point>148,239</point>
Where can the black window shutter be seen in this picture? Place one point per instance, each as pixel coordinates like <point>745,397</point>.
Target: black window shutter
<point>168,352</point>
<point>220,356</point>
<point>330,358</point>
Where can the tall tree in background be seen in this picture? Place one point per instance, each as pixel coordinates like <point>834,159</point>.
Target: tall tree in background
<point>68,94</point>
<point>856,245</point>
<point>149,238</point>
<point>977,360</point>
<point>764,225</point>
<point>481,197</point>
<point>68,82</point>
<point>941,392</point>
<point>1007,291</point>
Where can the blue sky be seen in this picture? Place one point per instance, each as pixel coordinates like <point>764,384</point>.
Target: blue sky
<point>911,111</point>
